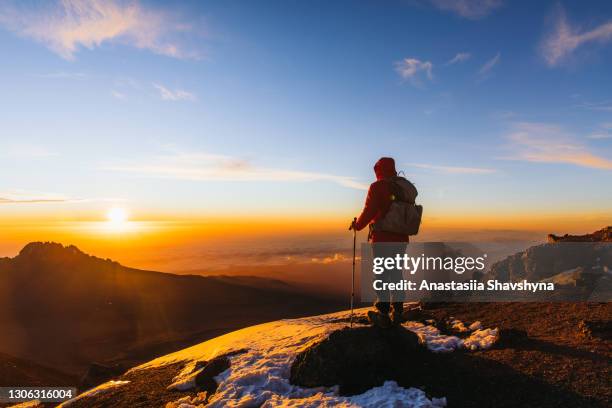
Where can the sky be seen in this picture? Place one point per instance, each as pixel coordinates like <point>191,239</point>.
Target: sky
<point>228,117</point>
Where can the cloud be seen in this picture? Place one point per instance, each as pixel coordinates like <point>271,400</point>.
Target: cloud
<point>67,26</point>
<point>485,70</point>
<point>202,166</point>
<point>176,95</point>
<point>604,106</point>
<point>546,143</point>
<point>563,40</point>
<point>600,136</point>
<point>117,95</point>
<point>411,68</point>
<point>604,132</point>
<point>472,9</point>
<point>453,169</point>
<point>21,197</point>
<point>460,57</point>
<point>64,75</point>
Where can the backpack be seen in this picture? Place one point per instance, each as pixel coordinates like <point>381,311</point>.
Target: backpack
<point>404,216</point>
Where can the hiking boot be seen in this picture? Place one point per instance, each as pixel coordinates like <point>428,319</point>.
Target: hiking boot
<point>379,319</point>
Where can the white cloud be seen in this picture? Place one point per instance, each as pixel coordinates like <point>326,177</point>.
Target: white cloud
<point>460,57</point>
<point>117,95</point>
<point>485,70</point>
<point>174,95</point>
<point>453,169</point>
<point>600,135</point>
<point>564,39</point>
<point>65,27</point>
<point>604,132</point>
<point>472,9</point>
<point>605,106</point>
<point>412,68</point>
<point>546,143</point>
<point>202,166</point>
<point>64,75</point>
<point>23,197</point>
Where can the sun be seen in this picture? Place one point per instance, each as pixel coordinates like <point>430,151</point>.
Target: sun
<point>117,217</point>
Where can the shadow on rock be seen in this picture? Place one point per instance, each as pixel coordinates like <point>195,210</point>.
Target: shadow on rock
<point>362,358</point>
<point>357,359</point>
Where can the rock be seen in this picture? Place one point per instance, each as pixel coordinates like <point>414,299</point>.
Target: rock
<point>358,359</point>
<point>205,379</point>
<point>547,260</point>
<point>596,329</point>
<point>99,373</point>
<point>417,315</point>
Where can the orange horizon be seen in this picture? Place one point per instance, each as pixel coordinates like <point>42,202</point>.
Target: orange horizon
<point>180,231</point>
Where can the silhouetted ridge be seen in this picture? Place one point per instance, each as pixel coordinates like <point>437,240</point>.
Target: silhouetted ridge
<point>64,308</point>
<point>53,253</point>
<point>603,235</point>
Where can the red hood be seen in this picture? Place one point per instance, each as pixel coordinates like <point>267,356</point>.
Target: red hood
<point>385,168</point>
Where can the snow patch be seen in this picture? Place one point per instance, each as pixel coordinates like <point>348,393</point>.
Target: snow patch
<point>475,326</point>
<point>440,343</point>
<point>259,376</point>
<point>388,395</point>
<point>481,339</point>
<point>188,402</point>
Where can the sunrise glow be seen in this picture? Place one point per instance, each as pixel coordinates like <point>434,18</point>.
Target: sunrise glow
<point>117,219</point>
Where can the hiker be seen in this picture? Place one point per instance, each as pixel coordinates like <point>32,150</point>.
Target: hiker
<point>388,234</point>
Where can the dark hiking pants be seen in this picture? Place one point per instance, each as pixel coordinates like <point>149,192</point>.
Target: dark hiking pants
<point>385,298</point>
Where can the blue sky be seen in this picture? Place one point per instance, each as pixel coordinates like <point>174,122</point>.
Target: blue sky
<point>263,108</point>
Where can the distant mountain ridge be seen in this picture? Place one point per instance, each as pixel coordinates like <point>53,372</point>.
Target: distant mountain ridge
<point>603,235</point>
<point>66,309</point>
<point>579,266</point>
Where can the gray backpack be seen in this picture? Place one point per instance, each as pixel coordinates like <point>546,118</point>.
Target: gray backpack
<point>404,216</point>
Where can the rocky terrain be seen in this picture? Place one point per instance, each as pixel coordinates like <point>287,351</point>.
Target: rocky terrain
<point>489,355</point>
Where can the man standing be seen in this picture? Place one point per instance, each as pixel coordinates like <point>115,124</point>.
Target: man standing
<point>387,188</point>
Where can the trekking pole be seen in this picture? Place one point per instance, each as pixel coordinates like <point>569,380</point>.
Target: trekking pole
<point>353,275</point>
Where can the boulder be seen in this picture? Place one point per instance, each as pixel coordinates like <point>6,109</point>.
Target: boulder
<point>358,359</point>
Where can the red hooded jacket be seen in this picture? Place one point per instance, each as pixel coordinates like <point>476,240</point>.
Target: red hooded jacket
<point>378,202</point>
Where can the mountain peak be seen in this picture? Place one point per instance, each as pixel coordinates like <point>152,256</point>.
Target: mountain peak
<point>39,248</point>
<point>602,235</point>
<point>46,254</point>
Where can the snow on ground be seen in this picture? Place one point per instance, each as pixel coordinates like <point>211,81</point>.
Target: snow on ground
<point>437,342</point>
<point>260,375</point>
<point>94,391</point>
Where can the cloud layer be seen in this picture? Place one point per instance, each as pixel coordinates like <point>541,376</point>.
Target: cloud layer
<point>202,166</point>
<point>65,27</point>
